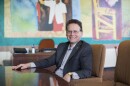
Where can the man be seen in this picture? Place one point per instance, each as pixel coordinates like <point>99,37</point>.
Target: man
<point>73,59</point>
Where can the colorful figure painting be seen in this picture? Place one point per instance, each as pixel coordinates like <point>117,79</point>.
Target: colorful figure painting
<point>41,18</point>
<point>101,19</point>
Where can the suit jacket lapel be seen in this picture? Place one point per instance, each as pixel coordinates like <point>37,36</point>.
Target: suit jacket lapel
<point>63,54</point>
<point>75,49</point>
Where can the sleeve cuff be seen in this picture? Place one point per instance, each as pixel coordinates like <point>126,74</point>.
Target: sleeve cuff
<point>75,75</point>
<point>32,64</point>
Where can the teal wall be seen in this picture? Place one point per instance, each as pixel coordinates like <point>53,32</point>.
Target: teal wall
<point>29,41</point>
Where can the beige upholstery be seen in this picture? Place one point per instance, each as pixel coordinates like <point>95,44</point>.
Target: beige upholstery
<point>98,66</point>
<point>122,70</point>
<point>46,43</point>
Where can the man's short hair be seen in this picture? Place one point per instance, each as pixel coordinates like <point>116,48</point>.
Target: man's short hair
<point>76,22</point>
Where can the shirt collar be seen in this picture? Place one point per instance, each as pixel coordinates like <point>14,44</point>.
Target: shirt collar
<point>71,48</point>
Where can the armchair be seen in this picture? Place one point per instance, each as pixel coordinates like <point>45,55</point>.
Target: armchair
<point>97,71</point>
<point>122,69</point>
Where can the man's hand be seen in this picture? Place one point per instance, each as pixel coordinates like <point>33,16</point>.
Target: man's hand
<point>67,77</point>
<point>21,66</point>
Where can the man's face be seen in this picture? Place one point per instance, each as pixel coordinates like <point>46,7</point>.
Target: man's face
<point>73,33</point>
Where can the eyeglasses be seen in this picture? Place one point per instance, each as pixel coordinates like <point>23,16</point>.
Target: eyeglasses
<point>74,31</point>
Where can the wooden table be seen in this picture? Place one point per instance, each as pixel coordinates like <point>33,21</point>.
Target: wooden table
<point>40,77</point>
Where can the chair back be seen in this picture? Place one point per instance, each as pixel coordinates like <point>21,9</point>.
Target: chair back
<point>46,43</point>
<point>98,59</point>
<point>122,70</point>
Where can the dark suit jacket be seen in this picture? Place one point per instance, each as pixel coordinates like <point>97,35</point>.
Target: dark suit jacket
<point>79,61</point>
